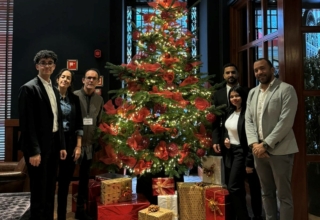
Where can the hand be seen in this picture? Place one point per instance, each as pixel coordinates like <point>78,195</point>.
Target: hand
<point>76,153</point>
<point>264,155</point>
<point>63,154</point>
<point>258,150</point>
<point>216,148</point>
<point>35,160</point>
<point>249,170</point>
<point>227,143</point>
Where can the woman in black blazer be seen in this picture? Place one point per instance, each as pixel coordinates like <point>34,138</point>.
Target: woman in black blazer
<point>73,131</point>
<point>239,158</point>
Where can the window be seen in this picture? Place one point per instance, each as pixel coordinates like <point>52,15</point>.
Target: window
<point>6,28</point>
<point>258,30</point>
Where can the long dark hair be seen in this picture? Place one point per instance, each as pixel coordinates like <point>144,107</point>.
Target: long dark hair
<point>243,93</point>
<point>70,88</point>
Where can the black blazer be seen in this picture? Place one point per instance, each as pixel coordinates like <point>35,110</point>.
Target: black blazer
<point>75,120</point>
<point>220,98</point>
<point>243,138</point>
<point>36,118</point>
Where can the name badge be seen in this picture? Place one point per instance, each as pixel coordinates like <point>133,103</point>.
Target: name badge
<point>87,121</point>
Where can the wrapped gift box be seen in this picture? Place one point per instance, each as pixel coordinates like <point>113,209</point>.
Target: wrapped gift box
<point>193,200</point>
<point>161,214</point>
<point>93,192</point>
<point>109,176</point>
<point>169,202</point>
<point>116,190</point>
<point>122,211</point>
<point>215,203</point>
<point>212,170</point>
<point>163,186</point>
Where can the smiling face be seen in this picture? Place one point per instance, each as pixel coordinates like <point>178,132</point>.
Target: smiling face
<point>45,67</point>
<point>65,79</point>
<point>263,72</point>
<point>235,99</point>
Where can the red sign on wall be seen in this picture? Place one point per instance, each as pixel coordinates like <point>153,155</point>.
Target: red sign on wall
<point>72,64</point>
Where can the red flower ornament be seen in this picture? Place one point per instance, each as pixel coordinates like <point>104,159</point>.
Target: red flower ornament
<point>201,103</point>
<point>161,151</point>
<point>109,108</point>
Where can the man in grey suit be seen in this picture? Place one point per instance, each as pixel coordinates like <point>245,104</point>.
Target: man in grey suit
<point>271,109</point>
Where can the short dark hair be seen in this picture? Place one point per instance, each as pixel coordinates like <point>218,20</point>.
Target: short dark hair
<point>70,88</point>
<point>268,61</point>
<point>229,65</point>
<point>45,54</point>
<point>94,69</point>
<point>243,94</point>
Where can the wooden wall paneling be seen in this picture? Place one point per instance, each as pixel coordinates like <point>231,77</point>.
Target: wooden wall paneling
<point>293,74</point>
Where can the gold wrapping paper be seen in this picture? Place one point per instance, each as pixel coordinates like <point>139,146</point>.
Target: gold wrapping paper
<point>162,214</point>
<point>192,201</point>
<point>213,170</point>
<point>116,190</point>
<point>169,202</point>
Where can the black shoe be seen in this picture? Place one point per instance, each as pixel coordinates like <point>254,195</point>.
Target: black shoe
<point>82,215</point>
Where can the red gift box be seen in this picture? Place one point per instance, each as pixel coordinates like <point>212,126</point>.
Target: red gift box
<point>122,211</point>
<point>93,193</point>
<point>163,186</point>
<point>215,201</point>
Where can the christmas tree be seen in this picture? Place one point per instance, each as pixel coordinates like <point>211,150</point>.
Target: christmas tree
<point>161,120</point>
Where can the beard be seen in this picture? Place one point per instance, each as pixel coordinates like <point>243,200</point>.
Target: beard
<point>232,81</point>
<point>265,79</point>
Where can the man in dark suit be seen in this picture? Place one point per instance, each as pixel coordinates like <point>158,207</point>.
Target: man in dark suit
<point>231,75</point>
<point>42,139</point>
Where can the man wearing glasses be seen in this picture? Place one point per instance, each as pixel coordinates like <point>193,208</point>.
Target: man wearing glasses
<point>42,138</point>
<point>91,108</point>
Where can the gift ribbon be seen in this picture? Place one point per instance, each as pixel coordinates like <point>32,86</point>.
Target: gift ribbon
<point>213,205</point>
<point>209,171</point>
<point>160,186</point>
<point>126,192</point>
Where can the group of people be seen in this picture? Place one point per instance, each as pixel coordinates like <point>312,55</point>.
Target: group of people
<point>256,140</point>
<point>254,136</point>
<point>57,131</point>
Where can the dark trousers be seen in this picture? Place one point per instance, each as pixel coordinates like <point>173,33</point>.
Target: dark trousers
<point>66,170</point>
<point>255,193</point>
<point>43,182</point>
<point>84,174</point>
<point>236,185</point>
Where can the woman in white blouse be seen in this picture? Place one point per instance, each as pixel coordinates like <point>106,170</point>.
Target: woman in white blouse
<point>238,158</point>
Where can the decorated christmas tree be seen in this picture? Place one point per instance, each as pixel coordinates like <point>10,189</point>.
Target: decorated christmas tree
<point>161,119</point>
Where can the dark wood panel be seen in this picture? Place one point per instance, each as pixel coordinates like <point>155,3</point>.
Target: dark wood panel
<point>11,140</point>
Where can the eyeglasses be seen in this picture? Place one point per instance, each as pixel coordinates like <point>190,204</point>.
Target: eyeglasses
<point>91,78</point>
<point>50,64</point>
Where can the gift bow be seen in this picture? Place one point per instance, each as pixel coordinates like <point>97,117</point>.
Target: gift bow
<point>153,208</point>
<point>160,186</point>
<point>126,192</point>
<point>213,205</point>
<point>209,171</point>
